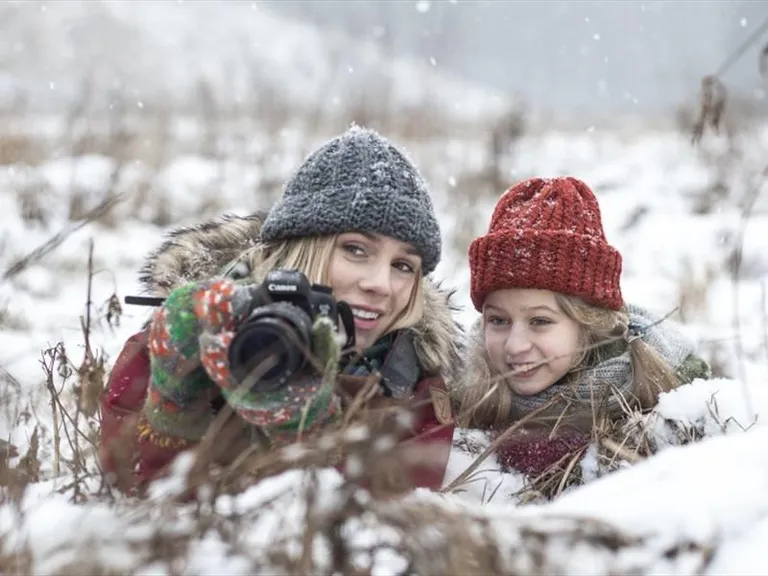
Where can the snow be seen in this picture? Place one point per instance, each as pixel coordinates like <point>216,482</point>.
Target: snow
<point>716,406</point>
<point>707,496</point>
<point>709,492</point>
<point>697,506</point>
<point>704,492</point>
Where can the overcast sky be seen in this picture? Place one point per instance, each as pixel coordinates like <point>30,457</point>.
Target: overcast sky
<point>612,56</point>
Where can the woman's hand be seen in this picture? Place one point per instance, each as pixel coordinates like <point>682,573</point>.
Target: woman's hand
<point>197,308</point>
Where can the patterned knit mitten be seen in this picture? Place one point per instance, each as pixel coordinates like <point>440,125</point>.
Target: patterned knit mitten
<point>178,403</point>
<point>304,403</point>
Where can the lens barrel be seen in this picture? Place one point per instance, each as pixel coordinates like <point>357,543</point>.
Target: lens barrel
<point>270,346</point>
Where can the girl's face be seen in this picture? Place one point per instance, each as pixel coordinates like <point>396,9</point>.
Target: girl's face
<point>529,339</point>
<point>375,275</point>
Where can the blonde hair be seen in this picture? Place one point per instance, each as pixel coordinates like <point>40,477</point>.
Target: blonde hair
<point>486,401</point>
<point>312,256</point>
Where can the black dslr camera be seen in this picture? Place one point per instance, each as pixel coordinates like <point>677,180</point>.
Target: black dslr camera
<point>275,340</point>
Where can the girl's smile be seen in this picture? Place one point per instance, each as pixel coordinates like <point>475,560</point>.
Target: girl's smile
<point>528,338</point>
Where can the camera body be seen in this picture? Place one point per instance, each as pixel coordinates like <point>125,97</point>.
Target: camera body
<point>275,341</point>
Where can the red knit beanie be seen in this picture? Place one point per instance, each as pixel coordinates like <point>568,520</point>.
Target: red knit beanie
<point>547,234</point>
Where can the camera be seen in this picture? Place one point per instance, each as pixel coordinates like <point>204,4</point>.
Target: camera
<point>275,341</point>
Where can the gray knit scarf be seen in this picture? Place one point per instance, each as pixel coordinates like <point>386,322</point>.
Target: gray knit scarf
<point>611,378</point>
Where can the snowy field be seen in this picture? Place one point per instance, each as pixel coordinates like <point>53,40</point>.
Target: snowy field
<point>676,213</point>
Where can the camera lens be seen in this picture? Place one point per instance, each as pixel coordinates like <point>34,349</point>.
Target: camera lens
<point>269,347</point>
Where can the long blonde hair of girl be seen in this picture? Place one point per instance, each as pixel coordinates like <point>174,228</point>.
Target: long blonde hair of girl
<point>485,401</point>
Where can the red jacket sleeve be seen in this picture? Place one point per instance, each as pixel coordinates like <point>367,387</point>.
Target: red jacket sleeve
<point>435,428</point>
<point>127,452</point>
<point>121,404</point>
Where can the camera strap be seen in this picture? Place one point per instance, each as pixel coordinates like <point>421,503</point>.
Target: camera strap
<point>401,370</point>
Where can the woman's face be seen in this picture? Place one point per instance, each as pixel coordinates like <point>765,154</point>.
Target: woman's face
<point>529,339</point>
<point>375,275</point>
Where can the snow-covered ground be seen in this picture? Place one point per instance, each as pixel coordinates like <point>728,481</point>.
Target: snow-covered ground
<point>709,494</point>
<point>697,508</point>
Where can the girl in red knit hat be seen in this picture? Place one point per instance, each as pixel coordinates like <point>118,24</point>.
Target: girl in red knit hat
<point>556,342</point>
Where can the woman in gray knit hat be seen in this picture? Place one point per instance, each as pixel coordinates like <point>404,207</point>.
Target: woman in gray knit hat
<point>357,217</point>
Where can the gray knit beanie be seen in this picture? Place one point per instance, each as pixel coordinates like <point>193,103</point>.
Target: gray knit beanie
<point>358,181</point>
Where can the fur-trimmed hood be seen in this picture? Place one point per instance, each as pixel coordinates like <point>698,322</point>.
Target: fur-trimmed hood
<point>194,253</point>
<point>475,359</point>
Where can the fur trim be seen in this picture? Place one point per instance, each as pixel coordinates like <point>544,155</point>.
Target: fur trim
<point>476,363</point>
<point>200,252</point>
<point>437,334</point>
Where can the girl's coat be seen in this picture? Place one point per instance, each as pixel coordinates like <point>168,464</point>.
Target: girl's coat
<point>532,452</point>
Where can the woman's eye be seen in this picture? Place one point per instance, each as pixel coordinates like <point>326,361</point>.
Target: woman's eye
<point>406,267</point>
<point>496,320</point>
<point>354,249</point>
<point>540,321</point>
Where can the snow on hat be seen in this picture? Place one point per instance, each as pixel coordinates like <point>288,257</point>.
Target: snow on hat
<point>547,234</point>
<point>358,181</point>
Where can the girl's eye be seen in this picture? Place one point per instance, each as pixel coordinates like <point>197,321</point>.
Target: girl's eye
<point>406,267</point>
<point>354,249</point>
<point>540,321</point>
<point>496,320</point>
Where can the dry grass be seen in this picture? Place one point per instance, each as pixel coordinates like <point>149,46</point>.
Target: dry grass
<point>474,189</point>
<point>713,105</point>
<point>423,535</point>
<point>22,149</point>
<point>613,444</point>
<point>737,183</point>
<point>693,295</point>
<point>12,321</point>
<point>57,239</point>
<point>430,536</point>
<point>621,442</point>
